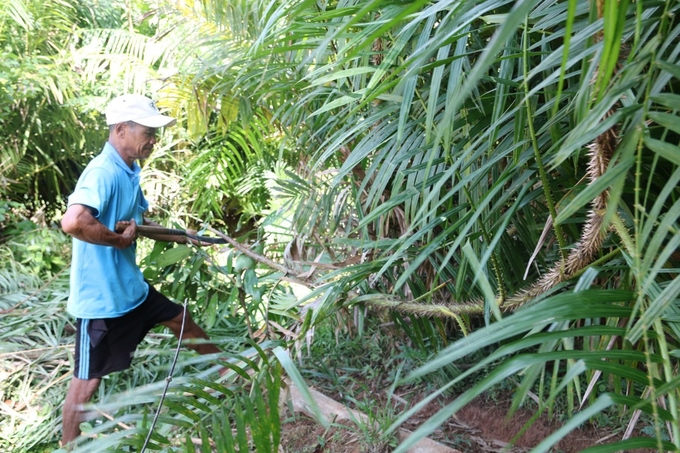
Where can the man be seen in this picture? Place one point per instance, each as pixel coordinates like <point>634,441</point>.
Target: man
<point>113,304</point>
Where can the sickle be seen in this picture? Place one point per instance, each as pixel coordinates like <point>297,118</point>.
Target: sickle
<point>146,230</point>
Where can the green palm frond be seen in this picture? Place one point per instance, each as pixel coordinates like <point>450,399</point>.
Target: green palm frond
<point>239,412</point>
<point>440,140</point>
<point>551,330</point>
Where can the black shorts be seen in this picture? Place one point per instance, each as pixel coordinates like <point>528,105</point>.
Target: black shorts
<point>107,345</point>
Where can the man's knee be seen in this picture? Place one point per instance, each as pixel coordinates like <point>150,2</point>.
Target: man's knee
<point>193,330</point>
<point>175,324</point>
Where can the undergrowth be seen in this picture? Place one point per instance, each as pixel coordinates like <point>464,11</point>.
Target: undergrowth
<point>359,369</point>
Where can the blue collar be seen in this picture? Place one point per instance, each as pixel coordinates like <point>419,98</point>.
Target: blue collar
<point>111,153</point>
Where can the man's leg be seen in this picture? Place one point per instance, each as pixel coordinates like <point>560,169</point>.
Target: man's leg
<point>191,331</point>
<point>160,307</point>
<point>79,392</point>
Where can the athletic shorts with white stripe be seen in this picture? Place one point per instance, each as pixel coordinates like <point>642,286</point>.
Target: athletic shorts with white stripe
<point>104,346</point>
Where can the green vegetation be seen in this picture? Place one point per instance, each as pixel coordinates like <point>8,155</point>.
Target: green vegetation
<point>497,179</point>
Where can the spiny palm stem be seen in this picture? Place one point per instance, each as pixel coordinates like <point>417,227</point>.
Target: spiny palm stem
<point>653,390</point>
<point>637,258</point>
<point>437,310</point>
<point>534,142</point>
<point>669,376</point>
<point>593,234</point>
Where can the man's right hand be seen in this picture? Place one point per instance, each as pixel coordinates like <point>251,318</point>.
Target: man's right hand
<point>129,234</point>
<point>79,222</point>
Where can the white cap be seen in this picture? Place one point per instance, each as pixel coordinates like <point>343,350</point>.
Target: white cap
<point>137,108</point>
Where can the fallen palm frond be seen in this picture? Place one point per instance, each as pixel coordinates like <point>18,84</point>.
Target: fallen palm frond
<point>36,349</point>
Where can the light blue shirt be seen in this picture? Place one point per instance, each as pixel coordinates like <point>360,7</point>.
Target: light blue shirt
<point>105,281</point>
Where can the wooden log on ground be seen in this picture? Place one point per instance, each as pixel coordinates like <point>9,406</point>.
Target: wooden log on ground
<point>332,411</point>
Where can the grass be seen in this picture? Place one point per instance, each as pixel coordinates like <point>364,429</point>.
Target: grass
<point>339,360</point>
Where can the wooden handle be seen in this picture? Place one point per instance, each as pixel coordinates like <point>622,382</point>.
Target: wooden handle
<point>150,229</point>
<point>146,230</point>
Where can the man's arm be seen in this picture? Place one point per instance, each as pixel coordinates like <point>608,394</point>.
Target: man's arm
<point>79,222</point>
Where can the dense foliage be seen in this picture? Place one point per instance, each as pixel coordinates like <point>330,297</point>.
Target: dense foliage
<point>444,142</point>
<point>49,113</point>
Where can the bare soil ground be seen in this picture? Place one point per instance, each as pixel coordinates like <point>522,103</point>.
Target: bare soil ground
<point>481,426</point>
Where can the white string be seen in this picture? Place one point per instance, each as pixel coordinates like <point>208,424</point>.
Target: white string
<point>167,379</point>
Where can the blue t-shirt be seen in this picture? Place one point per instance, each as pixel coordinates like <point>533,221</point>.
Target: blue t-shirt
<point>105,281</point>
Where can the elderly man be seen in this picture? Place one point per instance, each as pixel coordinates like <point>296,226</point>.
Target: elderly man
<point>113,304</point>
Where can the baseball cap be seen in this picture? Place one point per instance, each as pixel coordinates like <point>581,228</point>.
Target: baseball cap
<point>137,108</point>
